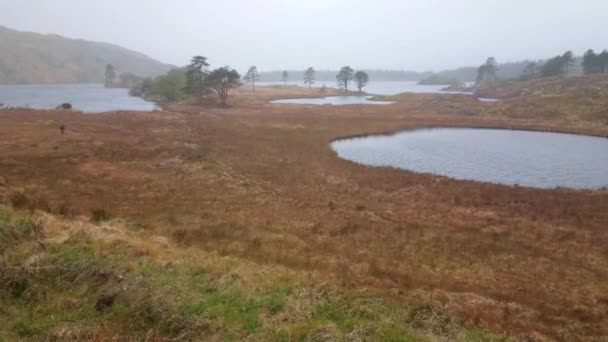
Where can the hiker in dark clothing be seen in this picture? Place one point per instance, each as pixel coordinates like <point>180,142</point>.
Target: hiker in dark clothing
<point>62,128</point>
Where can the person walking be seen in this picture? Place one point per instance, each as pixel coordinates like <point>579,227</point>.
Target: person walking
<point>62,128</point>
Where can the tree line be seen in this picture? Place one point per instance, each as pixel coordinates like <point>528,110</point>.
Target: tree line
<point>195,81</point>
<point>560,65</point>
<point>343,78</point>
<point>595,63</point>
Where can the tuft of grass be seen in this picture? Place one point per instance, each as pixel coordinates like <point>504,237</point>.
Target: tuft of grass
<point>99,215</point>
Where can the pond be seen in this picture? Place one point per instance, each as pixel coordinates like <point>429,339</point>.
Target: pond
<point>379,87</point>
<point>334,100</point>
<point>89,98</point>
<point>526,158</point>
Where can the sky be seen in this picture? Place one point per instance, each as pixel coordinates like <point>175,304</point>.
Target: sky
<point>294,34</point>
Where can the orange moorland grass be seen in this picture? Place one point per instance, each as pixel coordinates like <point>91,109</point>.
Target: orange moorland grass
<point>259,181</point>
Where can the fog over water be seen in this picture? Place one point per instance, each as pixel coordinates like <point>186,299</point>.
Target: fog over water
<point>280,34</point>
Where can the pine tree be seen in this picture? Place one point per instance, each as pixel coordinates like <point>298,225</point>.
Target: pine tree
<point>252,76</point>
<point>195,77</point>
<point>309,77</point>
<point>110,75</point>
<point>361,78</point>
<point>344,77</point>
<point>486,73</point>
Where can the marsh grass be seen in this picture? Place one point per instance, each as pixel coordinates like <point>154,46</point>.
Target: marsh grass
<point>60,299</point>
<point>258,183</point>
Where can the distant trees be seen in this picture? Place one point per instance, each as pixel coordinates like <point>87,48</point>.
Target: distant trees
<point>309,77</point>
<point>486,73</point>
<point>567,62</point>
<point>558,65</point>
<point>196,72</point>
<point>529,72</point>
<point>170,87</point>
<point>143,88</point>
<point>344,77</point>
<point>252,76</point>
<point>222,80</point>
<point>603,57</point>
<point>284,77</point>
<point>361,78</point>
<point>190,82</point>
<point>595,63</point>
<point>110,75</point>
<point>128,80</point>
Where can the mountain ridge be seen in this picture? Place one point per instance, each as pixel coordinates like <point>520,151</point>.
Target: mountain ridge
<point>30,57</point>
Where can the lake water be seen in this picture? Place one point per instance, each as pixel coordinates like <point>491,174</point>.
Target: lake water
<point>535,159</point>
<point>89,98</point>
<point>380,87</point>
<point>334,100</point>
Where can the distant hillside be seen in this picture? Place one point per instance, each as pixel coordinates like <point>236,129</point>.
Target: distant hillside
<point>27,57</point>
<point>506,71</point>
<point>557,88</point>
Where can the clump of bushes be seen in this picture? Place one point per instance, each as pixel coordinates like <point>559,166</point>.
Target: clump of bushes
<point>64,106</point>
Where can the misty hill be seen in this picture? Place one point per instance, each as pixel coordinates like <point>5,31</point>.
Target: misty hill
<point>27,57</point>
<point>506,71</point>
<point>571,89</point>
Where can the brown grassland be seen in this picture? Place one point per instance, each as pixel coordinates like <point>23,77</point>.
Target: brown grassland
<point>258,182</point>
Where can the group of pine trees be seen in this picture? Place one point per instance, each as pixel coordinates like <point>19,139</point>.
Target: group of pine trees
<point>193,81</point>
<point>347,74</point>
<point>562,64</point>
<point>595,63</point>
<point>343,78</point>
<point>200,80</point>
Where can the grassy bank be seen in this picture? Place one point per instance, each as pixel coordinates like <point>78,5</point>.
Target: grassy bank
<point>71,279</point>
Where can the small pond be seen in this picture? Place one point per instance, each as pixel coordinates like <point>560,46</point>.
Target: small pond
<point>334,100</point>
<point>526,158</point>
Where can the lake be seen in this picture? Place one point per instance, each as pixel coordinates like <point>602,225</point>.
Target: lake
<point>380,87</point>
<point>334,100</point>
<point>526,158</point>
<point>89,98</point>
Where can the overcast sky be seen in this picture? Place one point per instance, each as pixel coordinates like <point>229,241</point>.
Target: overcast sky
<point>294,34</point>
